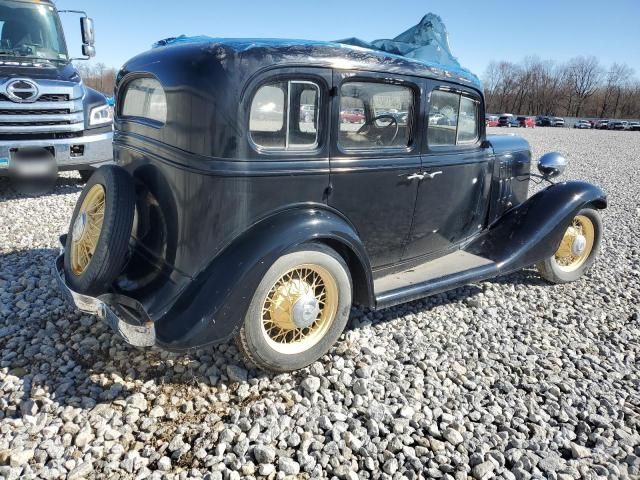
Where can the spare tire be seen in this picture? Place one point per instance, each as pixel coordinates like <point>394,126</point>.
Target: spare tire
<point>98,239</point>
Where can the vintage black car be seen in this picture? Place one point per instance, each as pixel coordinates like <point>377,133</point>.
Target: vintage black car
<point>232,213</point>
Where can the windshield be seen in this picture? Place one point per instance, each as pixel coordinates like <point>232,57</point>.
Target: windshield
<point>31,30</point>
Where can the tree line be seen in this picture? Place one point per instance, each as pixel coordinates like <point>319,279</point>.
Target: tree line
<point>581,87</point>
<point>98,76</point>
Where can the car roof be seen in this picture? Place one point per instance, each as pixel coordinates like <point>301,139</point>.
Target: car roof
<point>313,52</point>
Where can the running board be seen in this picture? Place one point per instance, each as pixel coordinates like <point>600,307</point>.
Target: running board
<point>445,273</point>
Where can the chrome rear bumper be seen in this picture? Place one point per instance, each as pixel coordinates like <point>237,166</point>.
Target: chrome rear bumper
<point>106,308</point>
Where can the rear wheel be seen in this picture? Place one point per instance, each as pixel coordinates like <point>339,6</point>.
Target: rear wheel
<point>101,225</point>
<point>298,311</point>
<point>577,251</point>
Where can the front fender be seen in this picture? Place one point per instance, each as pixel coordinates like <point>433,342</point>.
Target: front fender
<point>213,306</point>
<point>532,231</point>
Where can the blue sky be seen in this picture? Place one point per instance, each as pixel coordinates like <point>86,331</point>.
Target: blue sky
<point>479,31</point>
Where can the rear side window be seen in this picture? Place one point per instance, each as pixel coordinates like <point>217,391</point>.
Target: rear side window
<point>284,115</point>
<point>453,119</point>
<point>144,98</point>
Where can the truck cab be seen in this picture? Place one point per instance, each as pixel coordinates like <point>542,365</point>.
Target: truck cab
<point>46,112</point>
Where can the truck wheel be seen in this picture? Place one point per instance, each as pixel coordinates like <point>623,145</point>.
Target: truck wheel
<point>298,311</point>
<point>577,251</point>
<point>85,175</point>
<point>101,224</point>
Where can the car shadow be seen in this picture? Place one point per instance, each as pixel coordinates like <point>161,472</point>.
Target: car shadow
<point>467,294</point>
<point>64,185</point>
<point>73,359</point>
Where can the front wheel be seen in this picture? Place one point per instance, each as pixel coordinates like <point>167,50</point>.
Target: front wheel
<point>577,251</point>
<point>298,311</point>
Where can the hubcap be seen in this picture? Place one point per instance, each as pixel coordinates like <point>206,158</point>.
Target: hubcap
<point>299,309</point>
<point>576,244</point>
<point>86,229</point>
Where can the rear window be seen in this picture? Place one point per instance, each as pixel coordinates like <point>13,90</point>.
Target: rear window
<point>144,98</point>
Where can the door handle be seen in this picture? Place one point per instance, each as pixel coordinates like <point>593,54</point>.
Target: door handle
<point>432,174</point>
<point>415,176</point>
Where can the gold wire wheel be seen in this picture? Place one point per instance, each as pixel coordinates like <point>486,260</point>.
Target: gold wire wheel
<point>86,229</point>
<point>576,244</point>
<point>299,309</point>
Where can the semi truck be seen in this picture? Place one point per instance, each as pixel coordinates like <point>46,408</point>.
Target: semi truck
<point>49,120</point>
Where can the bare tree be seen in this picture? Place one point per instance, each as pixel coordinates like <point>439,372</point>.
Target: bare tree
<point>98,76</point>
<point>579,87</point>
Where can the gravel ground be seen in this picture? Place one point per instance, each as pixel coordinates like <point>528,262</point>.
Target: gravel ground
<point>512,378</point>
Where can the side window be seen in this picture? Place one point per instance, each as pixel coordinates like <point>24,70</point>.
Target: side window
<point>453,119</point>
<point>284,115</point>
<point>468,120</point>
<point>145,98</point>
<point>375,115</point>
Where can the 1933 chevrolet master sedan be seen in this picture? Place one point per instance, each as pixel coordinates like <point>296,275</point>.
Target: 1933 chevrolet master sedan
<point>247,202</point>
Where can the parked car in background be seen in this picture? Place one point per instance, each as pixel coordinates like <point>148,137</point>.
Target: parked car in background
<point>354,115</point>
<point>602,124</point>
<point>50,120</point>
<point>508,121</point>
<point>526,122</point>
<point>634,126</point>
<point>539,120</point>
<point>307,113</point>
<point>592,123</point>
<point>582,124</point>
<point>618,125</point>
<point>213,226</point>
<point>557,122</point>
<point>491,120</point>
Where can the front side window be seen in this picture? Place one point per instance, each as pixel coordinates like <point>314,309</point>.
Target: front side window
<point>144,98</point>
<point>375,115</point>
<point>453,119</point>
<point>284,115</point>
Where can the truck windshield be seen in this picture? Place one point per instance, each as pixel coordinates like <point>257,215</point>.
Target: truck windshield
<point>30,29</point>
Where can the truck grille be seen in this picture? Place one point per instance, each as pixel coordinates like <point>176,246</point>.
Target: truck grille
<point>51,97</point>
<point>57,111</point>
<point>35,112</point>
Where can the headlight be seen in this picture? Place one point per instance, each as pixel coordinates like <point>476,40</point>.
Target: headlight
<point>101,115</point>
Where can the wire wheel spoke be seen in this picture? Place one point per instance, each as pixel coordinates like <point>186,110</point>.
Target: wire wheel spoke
<point>87,228</point>
<point>290,332</point>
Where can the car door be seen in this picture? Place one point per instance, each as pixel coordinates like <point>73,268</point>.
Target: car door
<point>371,162</point>
<point>452,196</point>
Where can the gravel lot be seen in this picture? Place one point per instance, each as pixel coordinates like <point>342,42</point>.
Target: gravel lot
<point>511,378</point>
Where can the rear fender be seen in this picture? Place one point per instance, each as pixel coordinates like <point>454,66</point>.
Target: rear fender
<point>532,231</point>
<point>213,306</point>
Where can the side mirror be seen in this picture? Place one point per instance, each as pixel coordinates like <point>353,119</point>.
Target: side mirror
<point>89,51</point>
<point>552,164</point>
<point>86,28</point>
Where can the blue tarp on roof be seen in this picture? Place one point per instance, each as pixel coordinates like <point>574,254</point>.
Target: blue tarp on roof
<point>427,43</point>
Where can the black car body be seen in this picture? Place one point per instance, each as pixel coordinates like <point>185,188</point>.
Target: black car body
<point>220,198</point>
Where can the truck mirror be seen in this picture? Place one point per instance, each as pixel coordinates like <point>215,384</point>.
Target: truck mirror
<point>86,27</point>
<point>89,51</point>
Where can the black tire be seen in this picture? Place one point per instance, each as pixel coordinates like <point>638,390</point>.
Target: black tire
<point>85,175</point>
<point>549,269</point>
<point>251,339</point>
<point>113,242</point>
